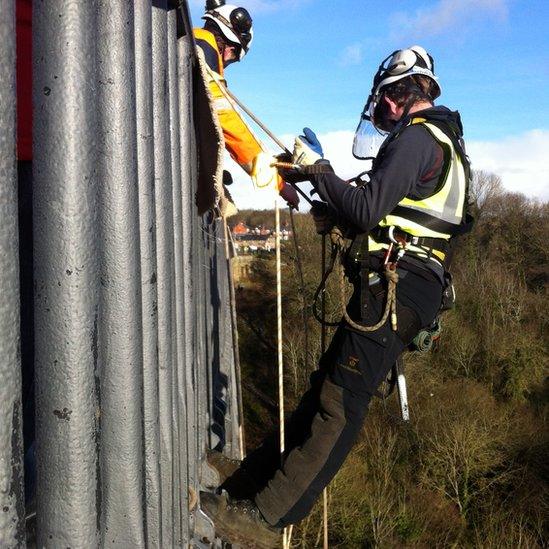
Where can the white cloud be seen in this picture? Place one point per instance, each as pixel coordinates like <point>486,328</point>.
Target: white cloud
<point>352,55</point>
<point>446,16</point>
<point>519,160</point>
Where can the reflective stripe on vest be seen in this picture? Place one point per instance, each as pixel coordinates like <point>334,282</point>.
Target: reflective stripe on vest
<point>438,215</point>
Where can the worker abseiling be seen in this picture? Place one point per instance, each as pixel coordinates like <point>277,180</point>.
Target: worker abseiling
<point>403,218</point>
<point>225,39</point>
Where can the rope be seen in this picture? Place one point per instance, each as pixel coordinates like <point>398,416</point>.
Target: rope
<point>390,306</point>
<point>302,289</point>
<point>325,517</point>
<point>287,533</point>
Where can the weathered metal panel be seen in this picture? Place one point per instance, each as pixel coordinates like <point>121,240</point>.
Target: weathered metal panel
<point>11,465</point>
<point>226,379</point>
<point>180,493</point>
<point>189,247</point>
<point>147,237</point>
<point>66,272</point>
<point>133,328</point>
<point>120,334</point>
<point>165,265</point>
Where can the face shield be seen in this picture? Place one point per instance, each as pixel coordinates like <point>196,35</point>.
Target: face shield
<point>368,138</point>
<point>396,66</point>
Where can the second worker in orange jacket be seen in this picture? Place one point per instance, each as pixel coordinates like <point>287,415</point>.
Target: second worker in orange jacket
<point>225,39</point>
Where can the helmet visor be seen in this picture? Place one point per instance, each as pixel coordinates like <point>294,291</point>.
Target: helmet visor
<point>368,139</point>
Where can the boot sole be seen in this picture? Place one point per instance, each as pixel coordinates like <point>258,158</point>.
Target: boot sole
<point>227,532</point>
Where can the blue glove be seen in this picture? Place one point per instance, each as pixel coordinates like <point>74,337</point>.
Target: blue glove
<point>312,141</point>
<point>307,149</point>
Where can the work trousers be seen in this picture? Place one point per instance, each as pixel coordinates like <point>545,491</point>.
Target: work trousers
<point>326,423</point>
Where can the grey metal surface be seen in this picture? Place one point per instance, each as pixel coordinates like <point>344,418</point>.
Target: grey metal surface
<point>135,362</point>
<point>11,466</point>
<point>180,495</point>
<point>165,265</point>
<point>120,333</point>
<point>227,344</point>
<point>189,245</point>
<point>147,238</point>
<point>66,258</point>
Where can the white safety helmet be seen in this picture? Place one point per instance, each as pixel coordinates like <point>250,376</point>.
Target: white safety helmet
<point>235,24</point>
<point>400,64</point>
<point>403,63</point>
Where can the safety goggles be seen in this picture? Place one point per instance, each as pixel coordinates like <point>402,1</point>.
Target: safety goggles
<point>241,22</point>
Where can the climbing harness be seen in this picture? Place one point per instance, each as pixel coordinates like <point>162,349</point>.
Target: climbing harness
<point>341,250</point>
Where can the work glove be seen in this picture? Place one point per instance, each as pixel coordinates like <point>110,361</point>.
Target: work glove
<point>289,194</point>
<point>290,175</point>
<point>307,148</point>
<point>263,173</point>
<point>322,216</point>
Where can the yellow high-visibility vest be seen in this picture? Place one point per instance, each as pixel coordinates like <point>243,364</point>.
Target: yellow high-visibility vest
<point>439,215</point>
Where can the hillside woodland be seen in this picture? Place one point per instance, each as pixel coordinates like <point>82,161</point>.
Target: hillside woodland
<point>470,469</point>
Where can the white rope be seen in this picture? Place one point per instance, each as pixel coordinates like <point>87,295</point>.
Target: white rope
<point>325,501</point>
<point>286,535</point>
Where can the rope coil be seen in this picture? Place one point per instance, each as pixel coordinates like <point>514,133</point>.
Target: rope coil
<point>339,246</point>
<point>390,305</point>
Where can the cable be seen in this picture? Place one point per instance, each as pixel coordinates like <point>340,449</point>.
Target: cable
<point>299,267</point>
<point>279,347</point>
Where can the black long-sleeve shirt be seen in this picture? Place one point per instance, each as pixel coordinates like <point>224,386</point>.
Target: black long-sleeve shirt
<point>411,166</point>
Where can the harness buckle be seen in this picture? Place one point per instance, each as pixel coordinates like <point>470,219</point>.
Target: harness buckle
<point>400,241</point>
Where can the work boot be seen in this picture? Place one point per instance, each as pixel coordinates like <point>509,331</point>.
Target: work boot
<point>239,522</point>
<point>224,466</point>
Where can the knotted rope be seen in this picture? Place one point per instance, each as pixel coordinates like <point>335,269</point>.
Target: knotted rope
<point>390,305</point>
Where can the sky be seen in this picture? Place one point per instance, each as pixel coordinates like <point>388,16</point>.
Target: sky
<point>312,62</point>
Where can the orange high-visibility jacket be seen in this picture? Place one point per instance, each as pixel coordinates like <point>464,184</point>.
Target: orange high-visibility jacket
<point>241,143</point>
